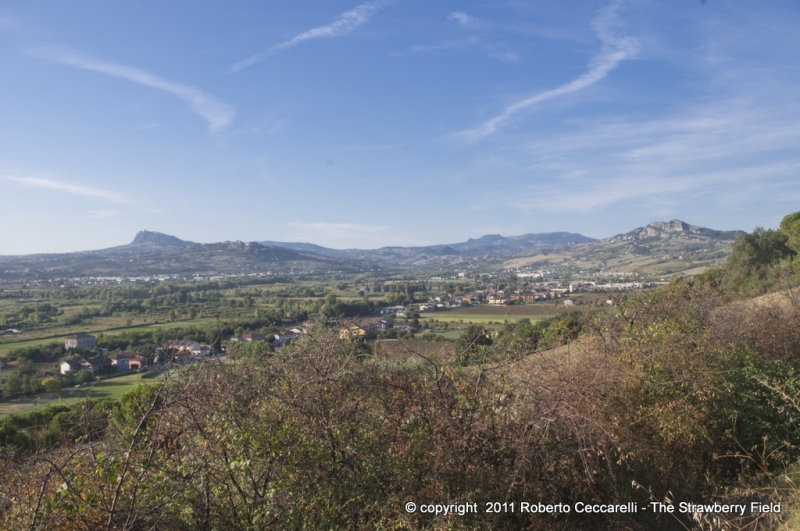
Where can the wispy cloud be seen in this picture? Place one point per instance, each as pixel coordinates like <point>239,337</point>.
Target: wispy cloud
<point>615,49</point>
<point>654,188</point>
<point>721,155</point>
<point>217,113</point>
<point>462,18</point>
<point>342,25</point>
<point>69,188</point>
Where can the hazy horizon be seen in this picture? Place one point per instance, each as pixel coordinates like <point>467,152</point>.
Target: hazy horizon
<point>323,244</point>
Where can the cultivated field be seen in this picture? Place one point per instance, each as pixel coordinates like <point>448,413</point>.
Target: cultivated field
<point>5,347</point>
<point>485,314</point>
<point>543,309</point>
<point>476,318</point>
<point>110,388</point>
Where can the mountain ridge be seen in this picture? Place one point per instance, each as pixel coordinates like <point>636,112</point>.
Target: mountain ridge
<point>155,253</point>
<point>158,239</point>
<point>488,244</point>
<point>660,248</point>
<point>667,229</point>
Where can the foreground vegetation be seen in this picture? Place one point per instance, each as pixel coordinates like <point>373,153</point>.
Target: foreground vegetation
<point>688,393</point>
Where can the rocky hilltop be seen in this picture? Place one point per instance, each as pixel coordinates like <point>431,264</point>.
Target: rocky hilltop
<point>158,239</point>
<point>666,229</point>
<point>661,249</point>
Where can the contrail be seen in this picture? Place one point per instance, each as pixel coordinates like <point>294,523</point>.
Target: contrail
<point>344,23</point>
<point>217,113</point>
<point>615,49</point>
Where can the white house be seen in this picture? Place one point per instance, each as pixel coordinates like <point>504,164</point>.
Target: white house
<point>125,361</point>
<point>202,350</point>
<point>182,345</point>
<point>120,362</point>
<point>70,366</point>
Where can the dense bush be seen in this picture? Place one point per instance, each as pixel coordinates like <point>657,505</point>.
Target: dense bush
<point>431,336</point>
<point>24,430</point>
<point>757,260</point>
<point>524,336</point>
<point>21,381</point>
<point>255,350</point>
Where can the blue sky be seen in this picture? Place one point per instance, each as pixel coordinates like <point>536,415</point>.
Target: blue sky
<point>392,122</point>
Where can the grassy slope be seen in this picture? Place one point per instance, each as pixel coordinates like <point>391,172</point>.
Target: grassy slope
<point>485,313</point>
<point>111,388</point>
<point>679,257</point>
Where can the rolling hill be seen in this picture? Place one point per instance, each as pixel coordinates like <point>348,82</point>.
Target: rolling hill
<point>659,249</point>
<point>488,245</point>
<point>153,253</point>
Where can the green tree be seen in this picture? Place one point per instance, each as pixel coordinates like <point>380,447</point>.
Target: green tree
<point>12,385</point>
<point>26,367</point>
<point>755,261</point>
<point>790,226</point>
<point>394,298</point>
<point>51,385</point>
<point>255,350</point>
<point>84,376</point>
<point>471,340</point>
<point>30,383</point>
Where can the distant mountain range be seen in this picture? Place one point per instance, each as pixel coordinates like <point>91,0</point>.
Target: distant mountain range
<point>491,244</point>
<point>153,253</point>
